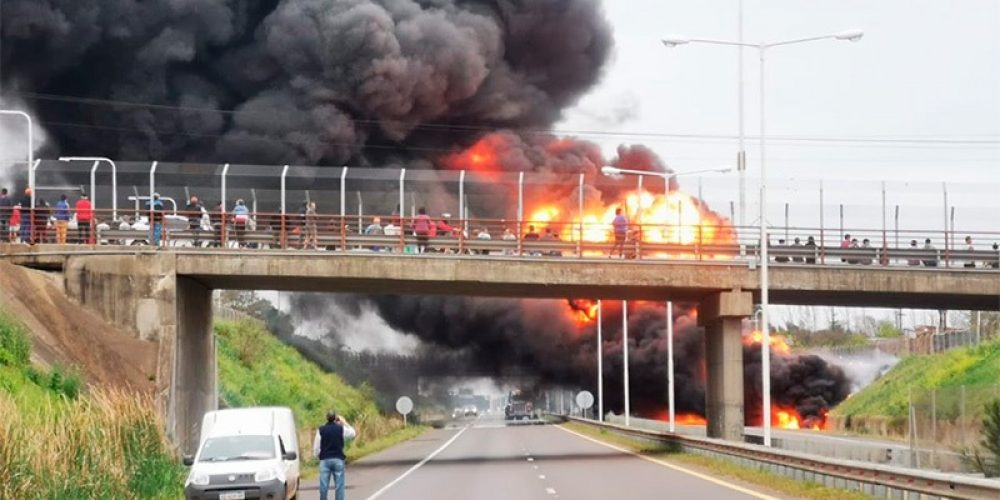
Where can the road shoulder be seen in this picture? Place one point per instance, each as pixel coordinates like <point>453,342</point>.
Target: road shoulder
<point>761,484</point>
<point>368,475</point>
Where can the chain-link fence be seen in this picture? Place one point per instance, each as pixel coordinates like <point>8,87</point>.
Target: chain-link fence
<point>944,424</point>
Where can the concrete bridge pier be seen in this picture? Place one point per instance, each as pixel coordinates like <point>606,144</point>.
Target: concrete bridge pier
<point>146,296</point>
<point>722,315</point>
<point>194,386</point>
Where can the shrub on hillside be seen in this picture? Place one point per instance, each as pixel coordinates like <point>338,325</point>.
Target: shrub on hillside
<point>986,458</point>
<point>106,445</point>
<point>15,349</point>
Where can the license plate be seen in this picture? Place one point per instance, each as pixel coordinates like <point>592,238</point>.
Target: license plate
<point>235,495</point>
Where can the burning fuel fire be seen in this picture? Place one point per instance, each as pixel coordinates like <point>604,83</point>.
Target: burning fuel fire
<point>778,343</point>
<point>675,218</point>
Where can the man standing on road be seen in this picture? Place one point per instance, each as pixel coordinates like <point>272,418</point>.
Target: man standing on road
<point>328,446</point>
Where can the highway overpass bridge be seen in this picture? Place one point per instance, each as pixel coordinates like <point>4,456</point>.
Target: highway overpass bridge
<point>164,295</point>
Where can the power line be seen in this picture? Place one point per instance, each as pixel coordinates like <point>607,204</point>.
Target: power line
<point>817,140</point>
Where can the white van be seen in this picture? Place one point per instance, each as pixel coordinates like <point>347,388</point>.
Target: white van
<point>247,453</point>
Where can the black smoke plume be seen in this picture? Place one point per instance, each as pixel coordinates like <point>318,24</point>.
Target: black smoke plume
<point>503,336</point>
<point>296,81</point>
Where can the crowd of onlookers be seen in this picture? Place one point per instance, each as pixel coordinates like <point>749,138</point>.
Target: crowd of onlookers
<point>304,230</point>
<point>47,223</point>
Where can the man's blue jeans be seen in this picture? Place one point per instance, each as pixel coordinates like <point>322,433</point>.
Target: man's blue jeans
<point>335,467</point>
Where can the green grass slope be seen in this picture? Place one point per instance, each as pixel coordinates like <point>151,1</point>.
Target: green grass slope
<point>977,368</point>
<point>257,369</point>
<point>59,442</point>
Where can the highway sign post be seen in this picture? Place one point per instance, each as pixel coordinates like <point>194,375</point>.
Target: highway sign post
<point>404,406</point>
<point>584,400</point>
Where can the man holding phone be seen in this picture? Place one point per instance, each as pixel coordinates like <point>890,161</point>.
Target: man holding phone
<point>328,446</point>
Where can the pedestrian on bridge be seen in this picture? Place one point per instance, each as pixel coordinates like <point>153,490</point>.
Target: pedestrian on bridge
<point>328,446</point>
<point>62,219</point>
<point>620,225</point>
<point>84,218</point>
<point>6,211</point>
<point>422,225</point>
<point>241,217</point>
<point>970,248</point>
<point>933,261</point>
<point>194,213</point>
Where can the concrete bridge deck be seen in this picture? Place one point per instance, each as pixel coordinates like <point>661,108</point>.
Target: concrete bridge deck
<point>553,277</point>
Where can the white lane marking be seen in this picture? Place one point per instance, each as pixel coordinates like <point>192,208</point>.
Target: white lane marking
<point>672,466</point>
<point>417,466</point>
<point>534,467</point>
<point>550,491</point>
<point>531,459</point>
<point>541,476</point>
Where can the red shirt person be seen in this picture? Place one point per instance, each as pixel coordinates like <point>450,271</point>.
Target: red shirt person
<point>84,218</point>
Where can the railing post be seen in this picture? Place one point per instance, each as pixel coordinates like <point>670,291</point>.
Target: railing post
<point>944,188</point>
<point>402,210</point>
<point>343,209</point>
<point>520,214</point>
<point>223,229</point>
<point>284,217</point>
<point>152,205</point>
<point>885,234</point>
<point>822,241</point>
<point>580,215</point>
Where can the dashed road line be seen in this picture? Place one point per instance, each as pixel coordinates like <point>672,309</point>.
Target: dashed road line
<point>417,466</point>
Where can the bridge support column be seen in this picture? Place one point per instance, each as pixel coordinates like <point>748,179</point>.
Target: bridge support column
<point>722,317</point>
<point>193,389</point>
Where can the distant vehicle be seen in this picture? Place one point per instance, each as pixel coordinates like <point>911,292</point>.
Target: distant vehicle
<point>245,453</point>
<point>519,410</point>
<point>457,412</point>
<point>471,411</point>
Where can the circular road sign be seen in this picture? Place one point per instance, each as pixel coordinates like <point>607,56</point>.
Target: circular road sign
<point>404,405</point>
<point>584,399</point>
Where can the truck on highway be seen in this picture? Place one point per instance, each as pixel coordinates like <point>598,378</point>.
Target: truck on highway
<point>518,409</point>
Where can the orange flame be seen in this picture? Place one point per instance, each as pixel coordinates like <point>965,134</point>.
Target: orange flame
<point>583,311</point>
<point>790,418</point>
<point>778,342</point>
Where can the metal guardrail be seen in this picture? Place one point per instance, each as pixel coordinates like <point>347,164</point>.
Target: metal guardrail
<point>874,479</point>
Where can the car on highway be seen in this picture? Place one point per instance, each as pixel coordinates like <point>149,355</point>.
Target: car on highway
<point>245,453</point>
<point>471,411</point>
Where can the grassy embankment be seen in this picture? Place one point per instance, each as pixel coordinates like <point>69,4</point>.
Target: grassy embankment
<point>972,367</point>
<point>257,369</point>
<point>57,441</point>
<point>747,477</point>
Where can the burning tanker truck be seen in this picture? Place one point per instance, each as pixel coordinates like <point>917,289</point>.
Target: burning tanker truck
<point>443,84</point>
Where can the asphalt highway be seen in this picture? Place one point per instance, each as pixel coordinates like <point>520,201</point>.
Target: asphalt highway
<point>485,459</point>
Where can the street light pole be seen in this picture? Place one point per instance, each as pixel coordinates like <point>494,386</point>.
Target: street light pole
<point>600,365</point>
<point>741,155</point>
<point>762,47</point>
<point>93,186</point>
<point>625,358</point>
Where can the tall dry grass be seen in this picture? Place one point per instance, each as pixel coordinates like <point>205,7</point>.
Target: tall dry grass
<point>106,444</point>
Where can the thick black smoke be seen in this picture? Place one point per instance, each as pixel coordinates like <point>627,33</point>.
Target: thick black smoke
<point>299,81</point>
<point>542,337</point>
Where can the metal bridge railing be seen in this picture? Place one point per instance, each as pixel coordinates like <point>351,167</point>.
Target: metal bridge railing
<point>503,238</point>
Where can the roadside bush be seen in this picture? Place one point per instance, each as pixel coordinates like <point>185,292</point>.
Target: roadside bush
<point>15,349</point>
<point>106,445</point>
<point>986,458</point>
